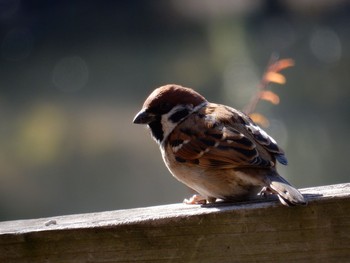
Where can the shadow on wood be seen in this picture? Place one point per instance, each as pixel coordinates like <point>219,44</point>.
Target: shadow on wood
<point>244,232</point>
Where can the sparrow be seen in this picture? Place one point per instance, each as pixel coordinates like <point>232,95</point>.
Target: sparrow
<point>214,149</point>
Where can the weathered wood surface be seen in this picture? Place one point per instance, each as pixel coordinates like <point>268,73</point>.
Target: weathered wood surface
<point>245,232</point>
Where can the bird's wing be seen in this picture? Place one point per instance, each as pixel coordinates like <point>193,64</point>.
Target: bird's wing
<point>220,136</point>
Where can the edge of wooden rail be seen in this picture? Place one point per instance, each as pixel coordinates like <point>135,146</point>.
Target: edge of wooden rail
<point>156,214</point>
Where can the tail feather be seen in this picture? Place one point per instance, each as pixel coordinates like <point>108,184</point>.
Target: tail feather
<point>287,194</point>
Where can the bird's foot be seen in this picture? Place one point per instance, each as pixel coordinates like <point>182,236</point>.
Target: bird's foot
<point>195,200</point>
<point>265,192</point>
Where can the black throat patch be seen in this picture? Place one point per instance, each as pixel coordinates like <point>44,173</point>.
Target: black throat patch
<point>156,129</point>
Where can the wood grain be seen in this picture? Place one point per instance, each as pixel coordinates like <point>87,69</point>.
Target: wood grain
<point>242,232</point>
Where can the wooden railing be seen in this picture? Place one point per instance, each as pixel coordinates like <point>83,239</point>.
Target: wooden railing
<point>243,232</point>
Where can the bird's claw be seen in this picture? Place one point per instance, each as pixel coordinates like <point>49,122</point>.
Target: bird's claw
<point>195,200</point>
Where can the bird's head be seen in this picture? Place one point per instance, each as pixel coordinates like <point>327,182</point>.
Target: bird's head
<point>166,106</point>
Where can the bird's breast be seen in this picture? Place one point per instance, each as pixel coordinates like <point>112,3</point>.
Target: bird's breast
<point>217,183</point>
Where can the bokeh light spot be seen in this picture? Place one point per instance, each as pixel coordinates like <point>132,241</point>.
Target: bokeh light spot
<point>40,134</point>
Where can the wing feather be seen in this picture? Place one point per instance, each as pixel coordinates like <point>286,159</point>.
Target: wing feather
<point>220,136</point>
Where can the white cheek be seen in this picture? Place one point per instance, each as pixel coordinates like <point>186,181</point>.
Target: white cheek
<point>167,125</point>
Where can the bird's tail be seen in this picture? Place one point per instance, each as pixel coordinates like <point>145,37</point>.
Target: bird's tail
<point>287,194</point>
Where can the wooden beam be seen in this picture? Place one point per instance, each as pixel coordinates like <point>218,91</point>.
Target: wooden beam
<point>242,232</point>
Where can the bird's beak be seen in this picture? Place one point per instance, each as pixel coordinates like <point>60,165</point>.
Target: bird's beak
<point>143,117</point>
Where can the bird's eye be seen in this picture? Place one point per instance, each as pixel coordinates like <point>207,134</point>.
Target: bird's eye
<point>165,107</point>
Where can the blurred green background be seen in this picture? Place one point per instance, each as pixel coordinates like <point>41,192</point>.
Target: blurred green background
<point>74,73</point>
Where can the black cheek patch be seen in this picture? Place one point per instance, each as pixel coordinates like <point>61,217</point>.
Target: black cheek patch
<point>156,129</point>
<point>179,115</point>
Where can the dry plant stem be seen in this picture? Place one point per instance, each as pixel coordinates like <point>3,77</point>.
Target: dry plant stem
<point>264,83</point>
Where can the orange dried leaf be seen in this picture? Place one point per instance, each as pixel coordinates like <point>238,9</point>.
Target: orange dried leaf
<point>270,96</point>
<point>260,119</point>
<point>281,64</point>
<point>275,77</point>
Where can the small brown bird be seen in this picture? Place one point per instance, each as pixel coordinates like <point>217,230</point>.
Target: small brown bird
<point>214,149</point>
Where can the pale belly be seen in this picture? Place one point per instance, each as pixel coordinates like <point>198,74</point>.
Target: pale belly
<point>217,183</point>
